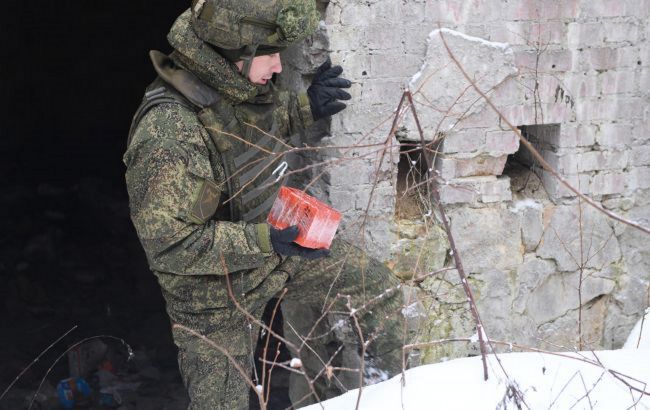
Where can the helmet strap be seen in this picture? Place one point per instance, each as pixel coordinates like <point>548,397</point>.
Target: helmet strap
<point>247,58</point>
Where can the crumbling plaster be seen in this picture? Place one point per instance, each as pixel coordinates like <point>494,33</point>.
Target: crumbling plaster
<point>524,238</point>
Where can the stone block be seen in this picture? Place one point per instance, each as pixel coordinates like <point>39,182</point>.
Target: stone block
<point>383,37</point>
<point>501,142</point>
<point>557,295</point>
<point>381,92</point>
<point>621,32</point>
<point>532,226</point>
<point>566,136</point>
<point>451,168</point>
<point>457,193</point>
<point>640,156</point>
<point>441,83</point>
<point>350,12</point>
<point>497,191</point>
<point>639,178</point>
<point>608,183</point>
<point>466,140</point>
<point>546,62</point>
<point>618,82</point>
<point>530,274</point>
<point>564,330</point>
<point>572,162</point>
<point>613,135</point>
<point>421,248</point>
<point>605,8</point>
<point>487,238</point>
<point>557,189</point>
<point>547,10</point>
<point>582,85</point>
<point>581,34</point>
<point>393,65</point>
<point>487,189</point>
<point>609,109</point>
<point>607,58</point>
<point>593,248</point>
<point>346,38</point>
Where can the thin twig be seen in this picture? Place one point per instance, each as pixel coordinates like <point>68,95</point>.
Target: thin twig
<point>450,237</point>
<point>536,153</point>
<point>34,362</point>
<point>231,359</point>
<point>40,385</point>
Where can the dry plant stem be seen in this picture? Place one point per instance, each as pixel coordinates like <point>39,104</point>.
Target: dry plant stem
<point>459,263</point>
<point>249,316</point>
<point>536,153</point>
<point>363,350</point>
<point>582,275</point>
<point>225,352</point>
<point>258,322</point>
<point>4,393</point>
<point>267,386</point>
<point>645,313</point>
<point>559,394</point>
<point>40,385</point>
<point>588,391</point>
<point>266,346</point>
<point>618,375</point>
<point>393,129</point>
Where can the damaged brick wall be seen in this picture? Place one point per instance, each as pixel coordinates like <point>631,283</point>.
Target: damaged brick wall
<point>573,76</point>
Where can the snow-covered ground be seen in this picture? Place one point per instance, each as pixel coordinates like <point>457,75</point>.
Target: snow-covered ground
<point>540,381</point>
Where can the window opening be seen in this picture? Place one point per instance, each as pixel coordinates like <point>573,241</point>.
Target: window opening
<point>524,170</point>
<point>412,187</point>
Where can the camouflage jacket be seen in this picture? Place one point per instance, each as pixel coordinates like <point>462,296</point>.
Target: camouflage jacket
<point>177,166</point>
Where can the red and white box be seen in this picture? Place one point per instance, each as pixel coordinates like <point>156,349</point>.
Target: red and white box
<point>316,221</point>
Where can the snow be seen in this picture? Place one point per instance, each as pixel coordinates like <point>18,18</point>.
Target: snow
<point>411,311</point>
<point>579,380</point>
<point>641,326</point>
<point>519,206</point>
<point>295,363</point>
<point>505,47</point>
<point>544,380</point>
<point>501,46</point>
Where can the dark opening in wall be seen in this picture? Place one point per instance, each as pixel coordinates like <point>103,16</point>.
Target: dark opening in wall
<point>523,169</point>
<point>412,187</point>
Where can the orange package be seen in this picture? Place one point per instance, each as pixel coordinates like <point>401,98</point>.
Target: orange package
<point>317,222</point>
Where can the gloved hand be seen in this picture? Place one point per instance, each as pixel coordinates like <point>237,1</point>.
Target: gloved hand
<point>325,89</point>
<point>282,242</point>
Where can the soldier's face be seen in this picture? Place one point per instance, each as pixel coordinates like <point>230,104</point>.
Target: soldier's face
<point>263,68</point>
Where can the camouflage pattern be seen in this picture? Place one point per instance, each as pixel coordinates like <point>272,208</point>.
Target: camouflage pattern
<point>233,24</point>
<point>176,176</point>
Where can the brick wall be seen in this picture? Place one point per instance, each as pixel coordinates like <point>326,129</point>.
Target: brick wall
<point>581,69</point>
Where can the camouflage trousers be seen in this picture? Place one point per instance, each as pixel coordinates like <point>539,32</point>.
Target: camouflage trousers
<point>318,325</point>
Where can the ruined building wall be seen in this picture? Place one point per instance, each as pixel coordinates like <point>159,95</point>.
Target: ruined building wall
<point>573,75</point>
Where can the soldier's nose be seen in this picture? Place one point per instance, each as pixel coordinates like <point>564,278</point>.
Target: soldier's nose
<point>277,63</point>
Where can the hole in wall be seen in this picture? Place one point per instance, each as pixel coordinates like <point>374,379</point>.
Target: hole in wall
<point>523,169</point>
<point>412,188</point>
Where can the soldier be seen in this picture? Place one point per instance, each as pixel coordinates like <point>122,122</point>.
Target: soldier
<point>200,159</point>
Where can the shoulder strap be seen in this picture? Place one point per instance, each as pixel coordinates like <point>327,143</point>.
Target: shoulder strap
<point>173,85</point>
<point>157,93</point>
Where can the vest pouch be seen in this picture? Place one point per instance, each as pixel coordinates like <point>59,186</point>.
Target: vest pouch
<point>218,132</point>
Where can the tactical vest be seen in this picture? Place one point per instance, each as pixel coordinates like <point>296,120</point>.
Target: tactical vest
<point>251,155</point>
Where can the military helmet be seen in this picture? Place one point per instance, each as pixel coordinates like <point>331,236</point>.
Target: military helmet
<point>235,24</point>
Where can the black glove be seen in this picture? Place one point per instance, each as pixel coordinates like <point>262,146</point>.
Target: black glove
<point>325,89</point>
<point>282,241</point>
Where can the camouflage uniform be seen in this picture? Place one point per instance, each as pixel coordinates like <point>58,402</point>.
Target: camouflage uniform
<point>199,191</point>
